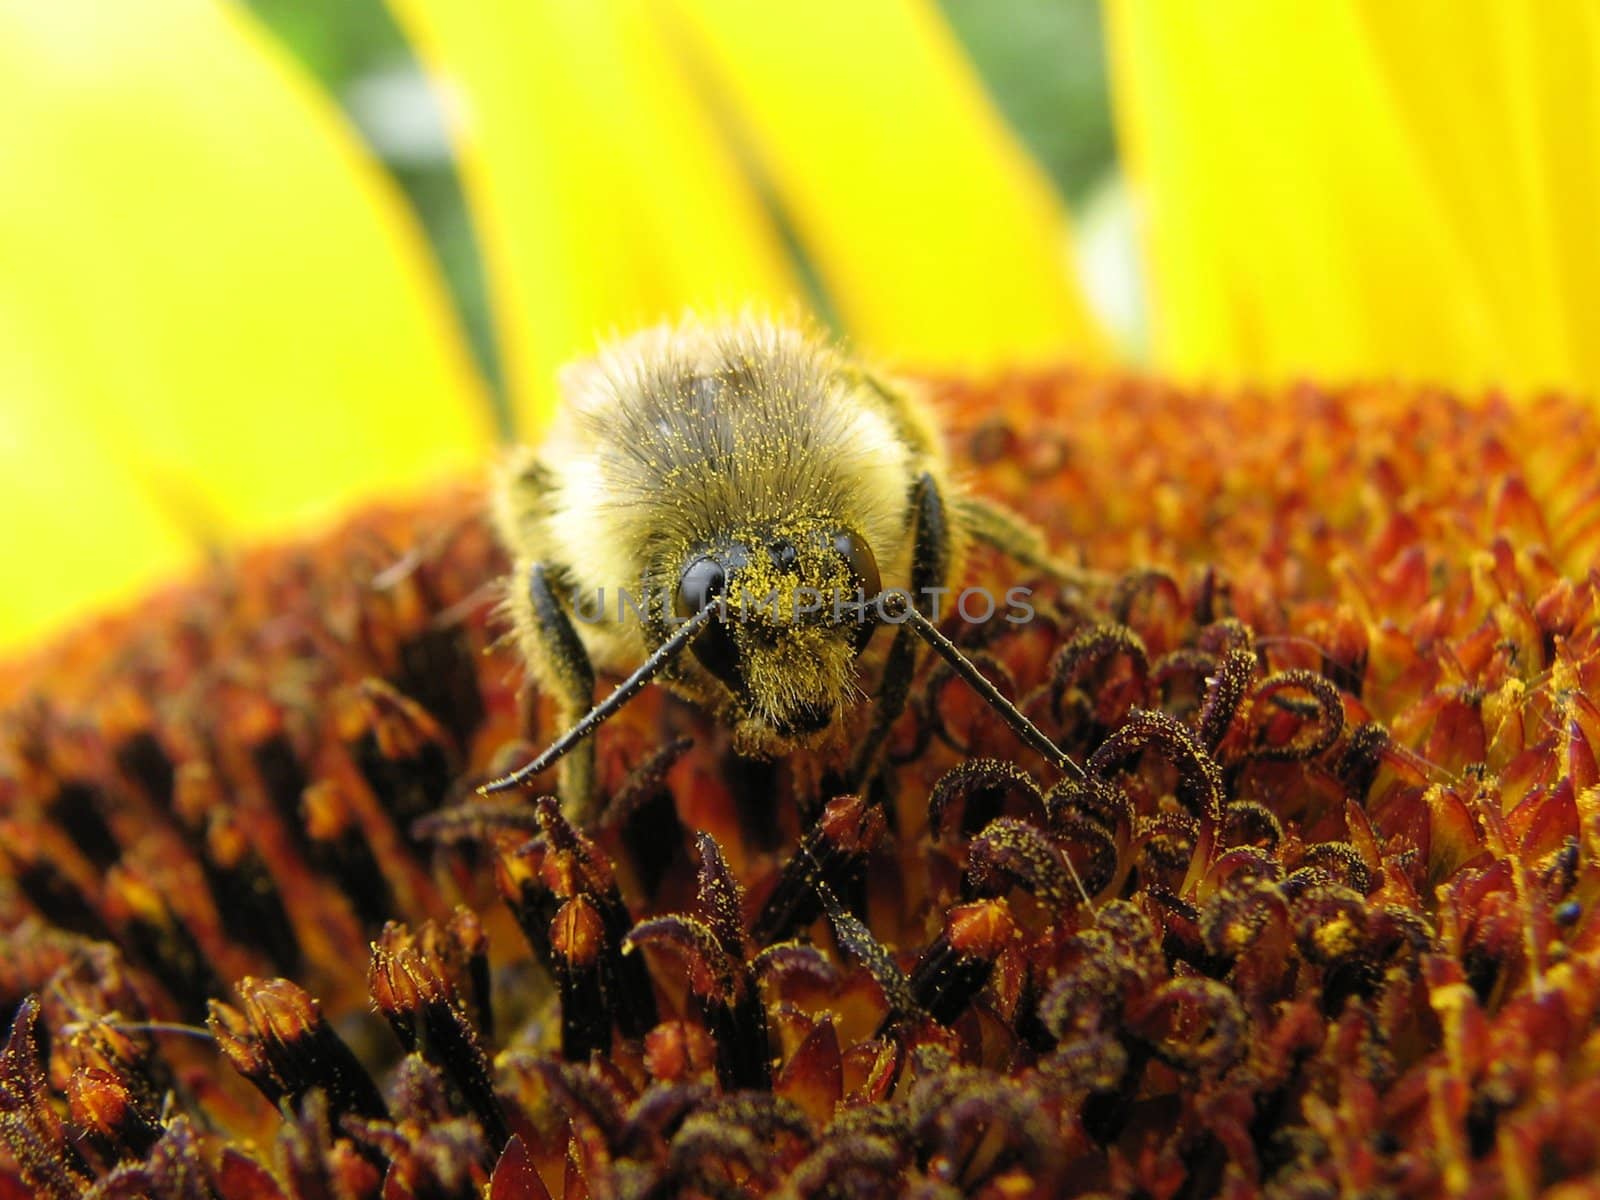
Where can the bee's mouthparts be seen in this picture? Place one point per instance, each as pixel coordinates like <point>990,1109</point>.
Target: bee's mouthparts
<point>807,718</point>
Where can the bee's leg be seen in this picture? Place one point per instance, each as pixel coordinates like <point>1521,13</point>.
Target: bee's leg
<point>930,564</point>
<point>563,669</point>
<point>1024,542</point>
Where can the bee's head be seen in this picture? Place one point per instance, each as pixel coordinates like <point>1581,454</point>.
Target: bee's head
<point>794,612</point>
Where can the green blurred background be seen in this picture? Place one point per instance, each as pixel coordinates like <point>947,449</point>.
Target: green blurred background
<point>1042,60</point>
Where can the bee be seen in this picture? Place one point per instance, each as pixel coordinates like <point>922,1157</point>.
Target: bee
<point>720,505</point>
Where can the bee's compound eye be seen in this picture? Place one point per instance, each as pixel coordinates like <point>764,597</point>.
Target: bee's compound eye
<point>717,652</point>
<point>864,576</point>
<point>858,557</point>
<point>702,581</point>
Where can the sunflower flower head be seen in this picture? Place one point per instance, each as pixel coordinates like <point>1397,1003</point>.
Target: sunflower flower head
<point>1336,822</point>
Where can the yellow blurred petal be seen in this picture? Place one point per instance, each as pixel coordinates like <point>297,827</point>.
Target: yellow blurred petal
<point>603,195</point>
<point>80,533</point>
<point>219,290</point>
<point>1501,103</point>
<point>937,237</point>
<point>1351,189</point>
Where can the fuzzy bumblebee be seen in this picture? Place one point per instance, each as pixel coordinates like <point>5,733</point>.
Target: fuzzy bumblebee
<point>742,491</point>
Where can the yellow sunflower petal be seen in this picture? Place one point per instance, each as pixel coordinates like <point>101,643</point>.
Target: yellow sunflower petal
<point>603,194</point>
<point>937,237</point>
<point>219,286</point>
<point>80,533</point>
<point>1501,103</point>
<point>1350,189</point>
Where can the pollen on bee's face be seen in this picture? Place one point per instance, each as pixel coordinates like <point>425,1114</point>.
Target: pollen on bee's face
<point>796,673</point>
<point>792,585</point>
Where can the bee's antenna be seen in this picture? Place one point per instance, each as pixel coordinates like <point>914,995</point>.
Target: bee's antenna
<point>964,667</point>
<point>607,708</point>
<point>1009,712</point>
